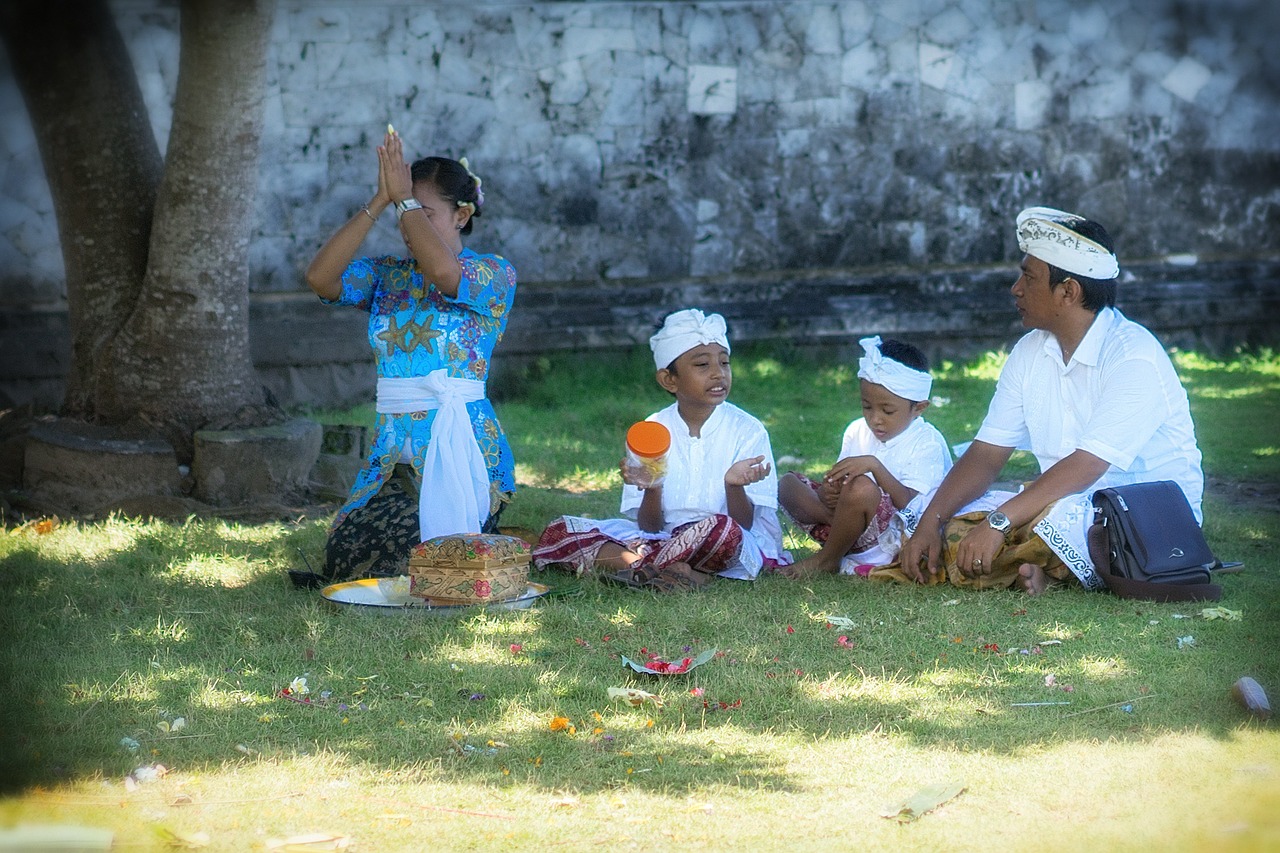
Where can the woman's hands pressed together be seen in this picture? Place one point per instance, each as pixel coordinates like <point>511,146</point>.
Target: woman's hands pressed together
<point>395,181</point>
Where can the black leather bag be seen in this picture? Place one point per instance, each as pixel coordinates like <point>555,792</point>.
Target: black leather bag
<point>1145,543</point>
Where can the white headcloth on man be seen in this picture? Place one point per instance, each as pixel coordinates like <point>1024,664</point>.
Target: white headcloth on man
<point>684,330</point>
<point>1044,233</point>
<point>906,382</point>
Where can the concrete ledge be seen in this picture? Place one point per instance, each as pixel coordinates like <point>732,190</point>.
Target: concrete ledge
<point>307,353</point>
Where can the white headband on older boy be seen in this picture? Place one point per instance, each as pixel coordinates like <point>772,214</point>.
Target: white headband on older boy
<point>906,382</point>
<point>684,330</point>
<point>1044,233</point>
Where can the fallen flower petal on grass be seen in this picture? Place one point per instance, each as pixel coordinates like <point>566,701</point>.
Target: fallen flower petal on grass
<point>922,802</point>
<point>842,622</point>
<point>149,773</point>
<point>1249,693</point>
<point>634,697</point>
<point>656,666</point>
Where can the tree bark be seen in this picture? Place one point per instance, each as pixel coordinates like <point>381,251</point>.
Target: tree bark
<point>102,163</point>
<point>183,357</point>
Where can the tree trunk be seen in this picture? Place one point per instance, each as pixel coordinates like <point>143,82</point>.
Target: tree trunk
<point>102,164</point>
<point>182,358</point>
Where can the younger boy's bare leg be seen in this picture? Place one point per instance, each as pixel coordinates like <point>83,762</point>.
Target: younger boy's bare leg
<point>801,502</point>
<point>614,558</point>
<point>859,500</point>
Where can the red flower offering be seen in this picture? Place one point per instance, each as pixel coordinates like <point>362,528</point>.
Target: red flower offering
<point>655,665</point>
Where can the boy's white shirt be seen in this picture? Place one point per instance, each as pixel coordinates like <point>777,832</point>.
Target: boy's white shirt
<point>694,487</point>
<point>919,457</point>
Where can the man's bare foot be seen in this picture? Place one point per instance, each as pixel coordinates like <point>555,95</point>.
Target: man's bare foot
<point>1032,579</point>
<point>809,567</point>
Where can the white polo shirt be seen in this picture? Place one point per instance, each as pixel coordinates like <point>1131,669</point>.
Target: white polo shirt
<point>1117,398</point>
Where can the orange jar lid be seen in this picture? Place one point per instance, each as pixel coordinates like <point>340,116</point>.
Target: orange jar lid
<point>649,439</point>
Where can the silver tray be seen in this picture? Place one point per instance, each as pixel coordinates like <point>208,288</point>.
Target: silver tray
<point>368,595</point>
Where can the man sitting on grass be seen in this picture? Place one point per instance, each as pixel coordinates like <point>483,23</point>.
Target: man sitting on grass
<point>1095,397</point>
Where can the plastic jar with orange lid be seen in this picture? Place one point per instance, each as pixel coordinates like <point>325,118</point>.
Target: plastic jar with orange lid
<point>647,446</point>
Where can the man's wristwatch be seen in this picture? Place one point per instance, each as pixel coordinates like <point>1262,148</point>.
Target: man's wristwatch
<point>999,522</point>
<point>403,207</point>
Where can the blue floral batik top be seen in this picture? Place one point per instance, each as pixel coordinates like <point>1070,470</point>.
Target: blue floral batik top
<point>415,329</point>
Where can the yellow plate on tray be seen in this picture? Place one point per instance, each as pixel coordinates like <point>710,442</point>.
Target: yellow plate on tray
<point>370,595</point>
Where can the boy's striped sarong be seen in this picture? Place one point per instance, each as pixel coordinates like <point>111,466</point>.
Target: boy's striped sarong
<point>709,545</point>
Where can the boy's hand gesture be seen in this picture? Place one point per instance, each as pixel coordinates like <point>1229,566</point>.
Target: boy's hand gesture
<point>744,472</point>
<point>829,492</point>
<point>851,466</point>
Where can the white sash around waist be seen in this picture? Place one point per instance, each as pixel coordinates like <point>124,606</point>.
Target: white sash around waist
<point>454,497</point>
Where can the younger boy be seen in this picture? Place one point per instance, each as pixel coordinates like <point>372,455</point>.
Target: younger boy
<point>716,510</point>
<point>900,453</point>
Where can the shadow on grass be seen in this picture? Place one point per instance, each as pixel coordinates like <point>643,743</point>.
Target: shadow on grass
<point>199,622</point>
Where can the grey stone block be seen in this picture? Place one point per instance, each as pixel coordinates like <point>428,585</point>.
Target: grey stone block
<point>260,465</point>
<point>85,468</point>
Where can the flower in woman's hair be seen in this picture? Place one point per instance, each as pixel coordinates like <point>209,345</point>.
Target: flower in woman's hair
<point>479,192</point>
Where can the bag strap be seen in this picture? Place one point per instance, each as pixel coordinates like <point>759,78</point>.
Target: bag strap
<point>1100,552</point>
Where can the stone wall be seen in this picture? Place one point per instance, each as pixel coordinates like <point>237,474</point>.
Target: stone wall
<point>655,142</point>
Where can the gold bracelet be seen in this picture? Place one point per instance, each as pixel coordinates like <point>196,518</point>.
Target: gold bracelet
<point>368,213</point>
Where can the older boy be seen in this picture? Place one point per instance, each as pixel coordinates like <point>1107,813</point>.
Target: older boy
<point>716,510</point>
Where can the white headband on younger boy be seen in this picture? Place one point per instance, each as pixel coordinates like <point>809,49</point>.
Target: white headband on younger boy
<point>906,382</point>
<point>684,330</point>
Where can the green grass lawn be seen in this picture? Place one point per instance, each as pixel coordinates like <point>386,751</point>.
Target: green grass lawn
<point>827,701</point>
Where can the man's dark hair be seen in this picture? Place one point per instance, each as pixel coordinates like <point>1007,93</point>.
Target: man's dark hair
<point>1098,293</point>
<point>904,353</point>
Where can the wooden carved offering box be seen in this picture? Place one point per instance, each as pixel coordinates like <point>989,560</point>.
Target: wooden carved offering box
<point>469,568</point>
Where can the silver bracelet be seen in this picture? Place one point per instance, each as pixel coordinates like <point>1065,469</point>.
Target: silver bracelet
<point>368,213</point>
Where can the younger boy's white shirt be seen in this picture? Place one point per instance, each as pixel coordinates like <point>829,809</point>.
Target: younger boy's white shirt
<point>694,487</point>
<point>918,456</point>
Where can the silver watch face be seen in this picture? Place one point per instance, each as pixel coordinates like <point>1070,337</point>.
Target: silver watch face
<point>998,521</point>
